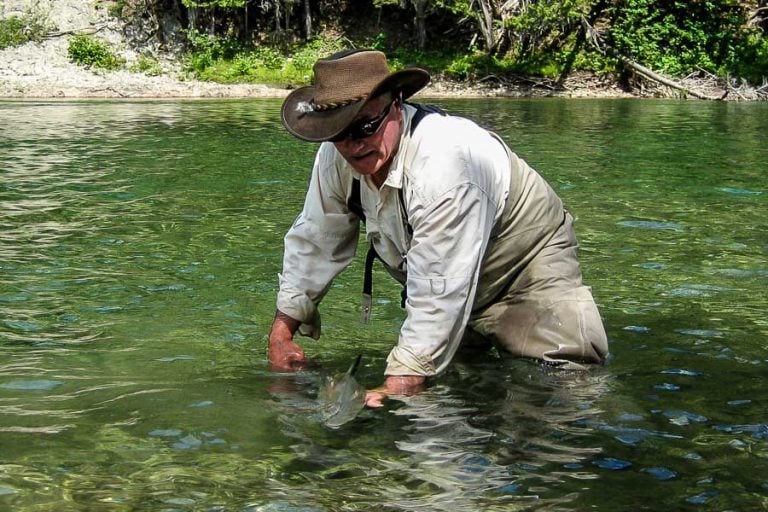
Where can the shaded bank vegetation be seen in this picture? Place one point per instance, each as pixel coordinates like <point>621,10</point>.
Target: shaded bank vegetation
<point>688,45</point>
<point>473,40</point>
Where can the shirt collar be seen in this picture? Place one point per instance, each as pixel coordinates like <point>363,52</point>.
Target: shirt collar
<point>396,168</point>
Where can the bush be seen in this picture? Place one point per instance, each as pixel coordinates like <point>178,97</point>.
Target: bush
<point>219,60</point>
<point>753,64</point>
<point>676,37</point>
<point>206,50</point>
<point>299,68</point>
<point>17,30</point>
<point>147,65</point>
<point>91,52</point>
<point>474,66</point>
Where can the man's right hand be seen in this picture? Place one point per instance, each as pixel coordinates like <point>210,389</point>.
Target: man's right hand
<point>284,353</point>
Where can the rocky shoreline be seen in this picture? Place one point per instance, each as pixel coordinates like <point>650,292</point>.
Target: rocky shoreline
<point>42,70</point>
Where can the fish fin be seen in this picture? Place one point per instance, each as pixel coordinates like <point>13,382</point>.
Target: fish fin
<point>353,369</point>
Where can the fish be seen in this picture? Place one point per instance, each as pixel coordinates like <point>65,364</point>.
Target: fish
<point>341,397</point>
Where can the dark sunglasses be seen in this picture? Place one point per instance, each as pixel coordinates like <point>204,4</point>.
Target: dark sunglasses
<point>364,128</point>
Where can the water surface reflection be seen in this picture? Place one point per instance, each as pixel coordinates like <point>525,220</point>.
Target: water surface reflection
<point>490,436</point>
<point>139,248</point>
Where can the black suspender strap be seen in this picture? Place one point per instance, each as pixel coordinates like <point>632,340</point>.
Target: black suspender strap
<point>368,285</point>
<point>421,112</point>
<point>355,205</point>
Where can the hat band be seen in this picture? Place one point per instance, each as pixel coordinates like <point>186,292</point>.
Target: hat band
<point>322,107</point>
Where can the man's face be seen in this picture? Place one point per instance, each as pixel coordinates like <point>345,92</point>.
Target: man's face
<point>371,154</point>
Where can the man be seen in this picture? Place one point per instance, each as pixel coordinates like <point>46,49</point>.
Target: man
<point>480,241</point>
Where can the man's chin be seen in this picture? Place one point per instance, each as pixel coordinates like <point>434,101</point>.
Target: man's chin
<point>365,165</point>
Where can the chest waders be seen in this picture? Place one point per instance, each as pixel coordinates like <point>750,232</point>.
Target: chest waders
<point>355,205</point>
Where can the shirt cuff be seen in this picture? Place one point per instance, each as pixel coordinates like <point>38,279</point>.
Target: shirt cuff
<point>403,361</point>
<point>300,307</point>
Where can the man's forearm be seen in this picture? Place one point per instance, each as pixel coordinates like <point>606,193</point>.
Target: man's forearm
<point>283,326</point>
<point>283,353</point>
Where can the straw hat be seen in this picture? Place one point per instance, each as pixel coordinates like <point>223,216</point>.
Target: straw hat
<point>343,84</point>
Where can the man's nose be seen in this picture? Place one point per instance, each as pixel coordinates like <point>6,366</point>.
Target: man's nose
<point>352,145</point>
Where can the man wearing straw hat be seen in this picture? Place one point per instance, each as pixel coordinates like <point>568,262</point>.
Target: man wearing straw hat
<point>481,243</point>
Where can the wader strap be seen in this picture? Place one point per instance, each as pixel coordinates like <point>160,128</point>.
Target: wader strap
<point>355,205</point>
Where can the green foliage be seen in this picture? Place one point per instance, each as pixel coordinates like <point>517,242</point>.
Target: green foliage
<point>675,36</point>
<point>18,30</point>
<point>148,65</point>
<point>535,37</point>
<point>469,67</point>
<point>379,42</point>
<point>591,60</point>
<point>117,8</point>
<point>206,50</point>
<point>214,59</point>
<point>91,52</point>
<point>304,57</point>
<point>753,62</point>
<point>545,26</point>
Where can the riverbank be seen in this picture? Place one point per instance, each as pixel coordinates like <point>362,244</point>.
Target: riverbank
<point>43,70</point>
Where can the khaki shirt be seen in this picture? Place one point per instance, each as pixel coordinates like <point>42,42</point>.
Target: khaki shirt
<point>478,214</point>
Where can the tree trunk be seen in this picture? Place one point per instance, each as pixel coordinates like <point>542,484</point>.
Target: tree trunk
<point>277,17</point>
<point>421,24</point>
<point>485,20</point>
<point>308,19</point>
<point>192,17</point>
<point>287,16</point>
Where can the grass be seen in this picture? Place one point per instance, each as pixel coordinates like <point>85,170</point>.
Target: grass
<point>19,30</point>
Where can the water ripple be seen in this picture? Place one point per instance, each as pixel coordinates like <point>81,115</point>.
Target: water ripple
<point>651,225</point>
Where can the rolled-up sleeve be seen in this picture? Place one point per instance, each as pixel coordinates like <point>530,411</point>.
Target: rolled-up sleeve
<point>319,245</point>
<point>450,235</point>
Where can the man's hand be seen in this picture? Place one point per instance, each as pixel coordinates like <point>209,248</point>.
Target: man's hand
<point>395,385</point>
<point>284,353</point>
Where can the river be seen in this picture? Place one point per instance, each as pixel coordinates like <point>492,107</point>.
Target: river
<point>140,244</point>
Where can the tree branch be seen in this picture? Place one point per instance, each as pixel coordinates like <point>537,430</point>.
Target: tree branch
<point>89,30</point>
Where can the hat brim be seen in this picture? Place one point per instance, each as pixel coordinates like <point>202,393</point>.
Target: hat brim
<point>319,126</point>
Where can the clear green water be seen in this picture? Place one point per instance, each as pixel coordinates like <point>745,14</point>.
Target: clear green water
<point>139,249</point>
